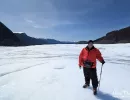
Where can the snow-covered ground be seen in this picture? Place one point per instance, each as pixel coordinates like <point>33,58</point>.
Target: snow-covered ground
<point>51,72</point>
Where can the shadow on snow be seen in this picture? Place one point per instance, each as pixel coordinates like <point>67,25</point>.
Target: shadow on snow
<point>104,96</point>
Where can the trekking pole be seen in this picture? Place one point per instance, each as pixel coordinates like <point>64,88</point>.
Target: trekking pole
<point>100,77</point>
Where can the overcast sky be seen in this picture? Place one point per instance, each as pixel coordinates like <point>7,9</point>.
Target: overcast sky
<point>66,20</point>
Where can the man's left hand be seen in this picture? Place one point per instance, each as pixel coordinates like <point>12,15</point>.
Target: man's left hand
<point>103,62</point>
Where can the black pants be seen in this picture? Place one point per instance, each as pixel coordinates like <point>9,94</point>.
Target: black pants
<point>91,73</point>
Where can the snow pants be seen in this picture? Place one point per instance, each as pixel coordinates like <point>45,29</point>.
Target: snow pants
<point>91,74</point>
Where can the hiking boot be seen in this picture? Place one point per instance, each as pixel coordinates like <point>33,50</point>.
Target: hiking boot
<point>95,91</point>
<point>85,85</point>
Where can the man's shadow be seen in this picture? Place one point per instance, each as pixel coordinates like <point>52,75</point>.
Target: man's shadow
<point>104,96</point>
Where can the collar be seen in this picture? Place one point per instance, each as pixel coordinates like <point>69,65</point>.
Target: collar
<point>90,49</point>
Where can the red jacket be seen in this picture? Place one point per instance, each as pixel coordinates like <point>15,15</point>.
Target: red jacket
<point>91,55</point>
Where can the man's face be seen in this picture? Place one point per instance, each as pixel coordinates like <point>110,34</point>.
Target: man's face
<point>90,45</point>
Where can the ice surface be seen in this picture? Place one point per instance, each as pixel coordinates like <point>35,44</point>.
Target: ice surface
<point>50,72</point>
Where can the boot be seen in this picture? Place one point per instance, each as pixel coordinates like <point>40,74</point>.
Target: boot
<point>95,91</point>
<point>85,85</point>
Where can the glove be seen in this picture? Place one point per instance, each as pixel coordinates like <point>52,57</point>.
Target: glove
<point>79,67</point>
<point>103,62</point>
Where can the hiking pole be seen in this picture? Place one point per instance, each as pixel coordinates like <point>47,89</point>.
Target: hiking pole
<point>100,77</point>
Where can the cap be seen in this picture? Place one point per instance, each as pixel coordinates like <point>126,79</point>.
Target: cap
<point>90,41</point>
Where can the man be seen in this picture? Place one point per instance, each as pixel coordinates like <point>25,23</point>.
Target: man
<point>87,59</point>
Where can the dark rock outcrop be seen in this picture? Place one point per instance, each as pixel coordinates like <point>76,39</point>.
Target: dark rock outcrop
<point>118,36</point>
<point>7,37</point>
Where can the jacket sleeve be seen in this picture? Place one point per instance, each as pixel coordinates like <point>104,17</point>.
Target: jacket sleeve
<point>80,58</point>
<point>99,56</point>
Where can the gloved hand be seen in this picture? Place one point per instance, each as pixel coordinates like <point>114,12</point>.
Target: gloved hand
<point>103,62</point>
<point>79,67</point>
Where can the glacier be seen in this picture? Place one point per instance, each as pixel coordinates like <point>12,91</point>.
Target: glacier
<point>51,72</point>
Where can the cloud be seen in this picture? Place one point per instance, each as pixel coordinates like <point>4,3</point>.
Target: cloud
<point>32,23</point>
<point>37,26</point>
<point>46,22</point>
<point>29,21</point>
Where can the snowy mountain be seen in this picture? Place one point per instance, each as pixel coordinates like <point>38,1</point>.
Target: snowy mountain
<point>51,72</point>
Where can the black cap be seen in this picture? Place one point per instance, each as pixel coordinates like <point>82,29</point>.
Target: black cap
<point>90,41</point>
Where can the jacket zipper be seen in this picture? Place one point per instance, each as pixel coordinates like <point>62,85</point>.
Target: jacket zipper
<point>88,54</point>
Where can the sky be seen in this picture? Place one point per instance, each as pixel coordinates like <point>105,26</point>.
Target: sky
<point>65,20</point>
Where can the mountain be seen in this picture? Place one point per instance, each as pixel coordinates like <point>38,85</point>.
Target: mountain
<point>117,36</point>
<point>27,40</point>
<point>67,42</point>
<point>81,42</point>
<point>7,37</point>
<point>53,41</point>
